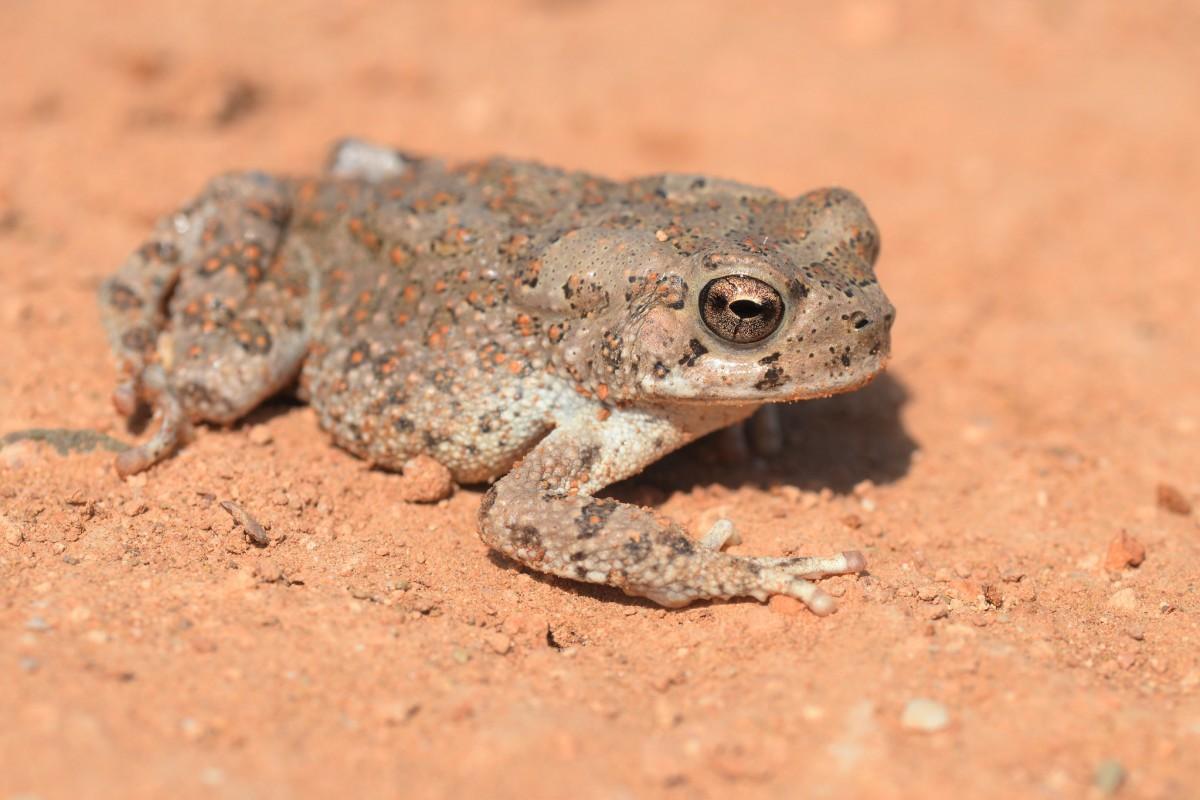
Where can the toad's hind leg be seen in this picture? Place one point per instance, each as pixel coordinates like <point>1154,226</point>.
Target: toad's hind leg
<point>206,319</point>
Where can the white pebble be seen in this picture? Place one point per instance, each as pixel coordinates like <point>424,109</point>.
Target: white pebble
<point>922,714</point>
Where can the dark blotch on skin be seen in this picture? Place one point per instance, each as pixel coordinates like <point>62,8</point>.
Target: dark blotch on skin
<point>697,350</point>
<point>122,298</point>
<point>527,536</point>
<point>159,251</point>
<point>140,338</point>
<point>680,545</point>
<point>772,378</point>
<point>588,456</point>
<point>637,549</point>
<point>593,517</point>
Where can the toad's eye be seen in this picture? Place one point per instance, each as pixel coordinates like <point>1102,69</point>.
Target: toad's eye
<point>740,309</point>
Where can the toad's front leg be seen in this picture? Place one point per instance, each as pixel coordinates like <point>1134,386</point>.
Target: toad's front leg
<point>543,514</point>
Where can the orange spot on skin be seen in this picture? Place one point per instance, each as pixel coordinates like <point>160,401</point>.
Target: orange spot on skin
<point>525,324</point>
<point>514,367</point>
<point>411,293</point>
<point>602,391</point>
<point>357,357</point>
<point>439,286</point>
<point>603,414</point>
<point>398,256</point>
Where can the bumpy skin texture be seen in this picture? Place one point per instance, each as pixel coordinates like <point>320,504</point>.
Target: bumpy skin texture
<point>510,319</point>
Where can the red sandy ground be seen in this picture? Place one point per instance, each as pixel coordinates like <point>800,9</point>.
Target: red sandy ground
<point>1035,171</point>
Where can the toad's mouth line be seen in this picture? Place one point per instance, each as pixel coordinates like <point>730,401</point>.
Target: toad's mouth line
<point>781,394</point>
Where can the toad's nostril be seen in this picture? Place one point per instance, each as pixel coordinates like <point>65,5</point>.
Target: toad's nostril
<point>859,320</point>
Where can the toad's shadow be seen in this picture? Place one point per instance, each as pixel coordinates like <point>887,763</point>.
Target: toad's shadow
<point>833,443</point>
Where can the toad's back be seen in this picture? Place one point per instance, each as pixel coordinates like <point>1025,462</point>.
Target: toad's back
<point>417,345</point>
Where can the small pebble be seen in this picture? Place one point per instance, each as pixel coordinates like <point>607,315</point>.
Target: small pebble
<point>397,712</point>
<point>37,624</point>
<point>1110,776</point>
<point>1124,551</point>
<point>133,508</point>
<point>12,534</point>
<point>1012,575</point>
<point>1171,499</point>
<point>212,776</point>
<point>922,714</point>
<point>425,480</point>
<point>1124,600</point>
<point>260,436</point>
<point>499,643</point>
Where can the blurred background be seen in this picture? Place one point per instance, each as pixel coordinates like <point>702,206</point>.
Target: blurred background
<point>1034,170</point>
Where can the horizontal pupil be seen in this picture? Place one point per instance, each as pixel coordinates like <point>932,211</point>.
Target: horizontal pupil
<point>745,308</point>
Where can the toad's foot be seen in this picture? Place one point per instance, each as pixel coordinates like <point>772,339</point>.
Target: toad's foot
<point>153,388</point>
<point>761,436</point>
<point>543,515</point>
